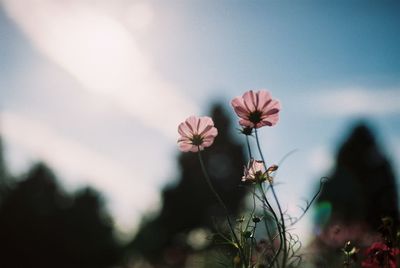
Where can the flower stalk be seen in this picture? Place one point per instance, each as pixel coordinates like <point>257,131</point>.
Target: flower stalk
<point>282,230</point>
<point>221,202</point>
<point>255,110</point>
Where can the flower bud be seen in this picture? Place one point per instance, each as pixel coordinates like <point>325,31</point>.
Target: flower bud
<point>272,168</point>
<point>247,131</point>
<point>247,234</point>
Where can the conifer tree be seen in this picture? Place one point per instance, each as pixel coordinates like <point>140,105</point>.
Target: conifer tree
<point>359,193</point>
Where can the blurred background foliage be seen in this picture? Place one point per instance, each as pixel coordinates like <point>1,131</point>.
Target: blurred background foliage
<point>360,192</point>
<point>189,205</point>
<point>93,90</point>
<point>41,225</point>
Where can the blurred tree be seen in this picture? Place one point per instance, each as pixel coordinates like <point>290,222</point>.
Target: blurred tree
<point>360,192</point>
<point>362,186</point>
<point>41,226</point>
<point>3,172</point>
<point>189,204</point>
<point>2,163</point>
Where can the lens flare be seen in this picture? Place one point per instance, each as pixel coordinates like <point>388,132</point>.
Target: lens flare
<point>322,214</point>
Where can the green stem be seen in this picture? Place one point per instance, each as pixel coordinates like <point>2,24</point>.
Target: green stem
<point>277,203</point>
<point>207,178</point>
<point>254,190</point>
<point>252,239</point>
<point>248,146</point>
<point>277,225</point>
<point>252,211</point>
<point>270,236</point>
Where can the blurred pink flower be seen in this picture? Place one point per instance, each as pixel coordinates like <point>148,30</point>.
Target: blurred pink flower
<point>254,171</point>
<point>196,133</point>
<point>380,255</point>
<point>256,109</point>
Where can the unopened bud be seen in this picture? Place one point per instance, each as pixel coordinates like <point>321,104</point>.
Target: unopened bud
<point>347,247</point>
<point>256,219</point>
<point>247,234</point>
<point>247,131</point>
<point>273,168</point>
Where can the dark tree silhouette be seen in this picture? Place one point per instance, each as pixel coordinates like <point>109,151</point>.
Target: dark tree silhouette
<point>362,186</point>
<point>359,193</point>
<point>41,226</point>
<point>3,172</point>
<point>190,204</point>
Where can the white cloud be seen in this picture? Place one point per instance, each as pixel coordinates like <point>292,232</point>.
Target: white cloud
<point>139,15</point>
<point>128,191</point>
<point>358,101</point>
<point>97,49</point>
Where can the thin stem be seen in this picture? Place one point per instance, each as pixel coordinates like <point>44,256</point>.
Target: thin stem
<point>252,239</point>
<point>253,209</point>
<point>248,146</point>
<point>254,190</point>
<point>309,204</point>
<point>283,225</point>
<point>277,202</point>
<point>270,237</point>
<point>277,225</point>
<point>207,178</point>
<point>348,259</point>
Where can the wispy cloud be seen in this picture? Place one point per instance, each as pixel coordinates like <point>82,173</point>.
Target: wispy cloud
<point>358,101</point>
<point>127,198</point>
<point>100,52</point>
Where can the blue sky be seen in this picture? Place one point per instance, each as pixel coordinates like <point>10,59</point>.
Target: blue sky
<point>97,88</point>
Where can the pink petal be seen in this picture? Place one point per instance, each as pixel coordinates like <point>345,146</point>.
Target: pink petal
<point>211,135</point>
<point>205,130</point>
<point>196,148</point>
<point>242,112</point>
<point>246,123</point>
<point>184,146</point>
<point>249,100</point>
<point>192,123</point>
<point>273,107</point>
<point>258,165</point>
<point>185,140</point>
<point>264,98</point>
<point>208,142</point>
<point>271,120</point>
<point>237,102</point>
<point>263,123</point>
<point>209,138</point>
<point>239,107</point>
<point>211,132</point>
<point>205,123</point>
<point>184,130</point>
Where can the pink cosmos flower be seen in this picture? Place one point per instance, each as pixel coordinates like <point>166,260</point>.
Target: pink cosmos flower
<point>196,133</point>
<point>254,171</point>
<point>256,109</point>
